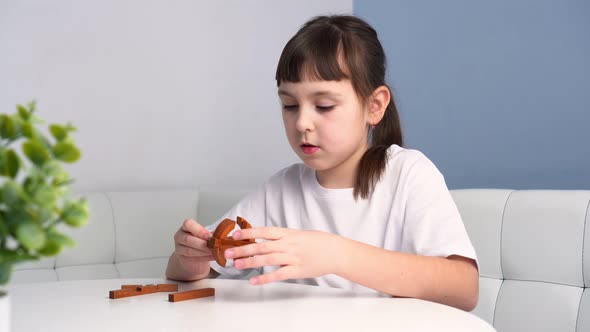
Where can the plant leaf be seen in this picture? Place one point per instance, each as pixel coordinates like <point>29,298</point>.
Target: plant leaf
<point>5,272</point>
<point>4,231</point>
<point>13,256</point>
<point>27,130</point>
<point>8,129</point>
<point>16,216</point>
<point>58,131</point>
<point>44,141</point>
<point>31,235</point>
<point>55,242</point>
<point>32,106</point>
<point>61,178</point>
<point>30,185</point>
<point>45,196</point>
<point>23,112</point>
<point>3,162</point>
<point>12,163</point>
<point>51,248</point>
<point>36,153</point>
<point>46,213</point>
<point>75,214</point>
<point>66,151</point>
<point>11,193</point>
<point>18,123</point>
<point>64,240</point>
<point>51,168</point>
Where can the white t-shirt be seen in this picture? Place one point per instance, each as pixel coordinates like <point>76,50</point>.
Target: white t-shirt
<point>410,210</point>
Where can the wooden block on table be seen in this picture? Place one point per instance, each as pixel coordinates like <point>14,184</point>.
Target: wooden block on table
<point>160,287</point>
<point>192,294</point>
<point>135,290</point>
<point>130,286</point>
<point>167,287</point>
<point>147,289</point>
<point>121,293</point>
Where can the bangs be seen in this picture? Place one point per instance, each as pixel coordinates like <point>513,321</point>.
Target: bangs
<point>315,54</point>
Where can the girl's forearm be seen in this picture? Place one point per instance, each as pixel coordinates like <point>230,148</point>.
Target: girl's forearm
<point>176,271</point>
<point>452,281</point>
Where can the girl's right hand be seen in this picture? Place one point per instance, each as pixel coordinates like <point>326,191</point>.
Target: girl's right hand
<point>190,245</point>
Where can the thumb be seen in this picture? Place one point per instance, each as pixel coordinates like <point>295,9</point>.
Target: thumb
<point>193,227</point>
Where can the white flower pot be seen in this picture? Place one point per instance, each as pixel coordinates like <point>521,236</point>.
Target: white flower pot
<point>4,312</point>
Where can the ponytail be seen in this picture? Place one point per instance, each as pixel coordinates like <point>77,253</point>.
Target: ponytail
<point>373,162</point>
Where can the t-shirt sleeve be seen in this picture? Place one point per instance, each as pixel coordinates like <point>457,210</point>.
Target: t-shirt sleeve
<point>252,208</point>
<point>432,223</point>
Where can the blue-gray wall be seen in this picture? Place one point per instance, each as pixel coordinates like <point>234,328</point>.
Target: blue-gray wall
<point>496,93</point>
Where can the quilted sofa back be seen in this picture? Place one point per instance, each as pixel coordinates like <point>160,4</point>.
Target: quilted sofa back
<point>534,266</point>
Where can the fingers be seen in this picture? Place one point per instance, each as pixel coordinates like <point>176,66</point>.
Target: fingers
<point>189,240</point>
<point>254,249</point>
<point>276,259</point>
<point>186,251</point>
<point>267,233</point>
<point>193,227</point>
<point>284,273</point>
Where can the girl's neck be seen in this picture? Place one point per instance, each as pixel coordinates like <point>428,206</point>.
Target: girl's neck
<point>342,176</point>
<point>330,179</point>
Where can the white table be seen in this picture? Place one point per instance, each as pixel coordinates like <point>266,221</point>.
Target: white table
<point>237,306</point>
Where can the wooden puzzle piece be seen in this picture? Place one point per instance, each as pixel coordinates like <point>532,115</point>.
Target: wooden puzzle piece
<point>130,286</point>
<point>135,290</point>
<point>167,288</point>
<point>223,229</point>
<point>191,294</point>
<point>243,223</point>
<point>220,241</point>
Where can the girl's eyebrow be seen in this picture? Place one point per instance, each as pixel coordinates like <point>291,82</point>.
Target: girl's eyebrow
<point>315,94</point>
<point>284,93</point>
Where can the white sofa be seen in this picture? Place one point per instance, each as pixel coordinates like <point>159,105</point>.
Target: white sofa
<point>535,269</point>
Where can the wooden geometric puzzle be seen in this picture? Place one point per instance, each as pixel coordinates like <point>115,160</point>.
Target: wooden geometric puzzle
<point>220,241</point>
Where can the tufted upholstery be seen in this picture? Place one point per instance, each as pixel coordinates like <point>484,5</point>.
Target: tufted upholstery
<point>534,266</point>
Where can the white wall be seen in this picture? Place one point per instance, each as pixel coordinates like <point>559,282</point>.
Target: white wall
<point>164,93</point>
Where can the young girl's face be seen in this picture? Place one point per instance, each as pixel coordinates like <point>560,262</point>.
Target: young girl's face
<point>325,122</point>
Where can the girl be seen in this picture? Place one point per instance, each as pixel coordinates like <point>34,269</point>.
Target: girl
<point>360,211</point>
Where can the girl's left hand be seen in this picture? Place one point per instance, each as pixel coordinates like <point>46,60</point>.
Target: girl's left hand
<point>299,253</point>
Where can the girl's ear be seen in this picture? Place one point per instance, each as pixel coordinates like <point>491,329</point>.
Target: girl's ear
<point>378,104</point>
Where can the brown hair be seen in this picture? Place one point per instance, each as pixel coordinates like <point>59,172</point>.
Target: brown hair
<point>321,48</point>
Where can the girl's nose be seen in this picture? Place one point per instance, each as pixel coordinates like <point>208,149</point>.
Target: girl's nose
<point>304,120</point>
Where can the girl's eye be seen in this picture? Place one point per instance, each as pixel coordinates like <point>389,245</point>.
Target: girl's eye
<point>325,108</point>
<point>320,108</point>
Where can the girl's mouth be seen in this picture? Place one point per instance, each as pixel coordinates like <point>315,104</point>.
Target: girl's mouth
<point>309,149</point>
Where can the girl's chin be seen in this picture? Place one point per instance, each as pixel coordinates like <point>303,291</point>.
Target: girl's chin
<point>315,164</point>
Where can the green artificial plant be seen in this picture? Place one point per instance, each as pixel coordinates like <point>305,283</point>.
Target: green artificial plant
<point>34,189</point>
